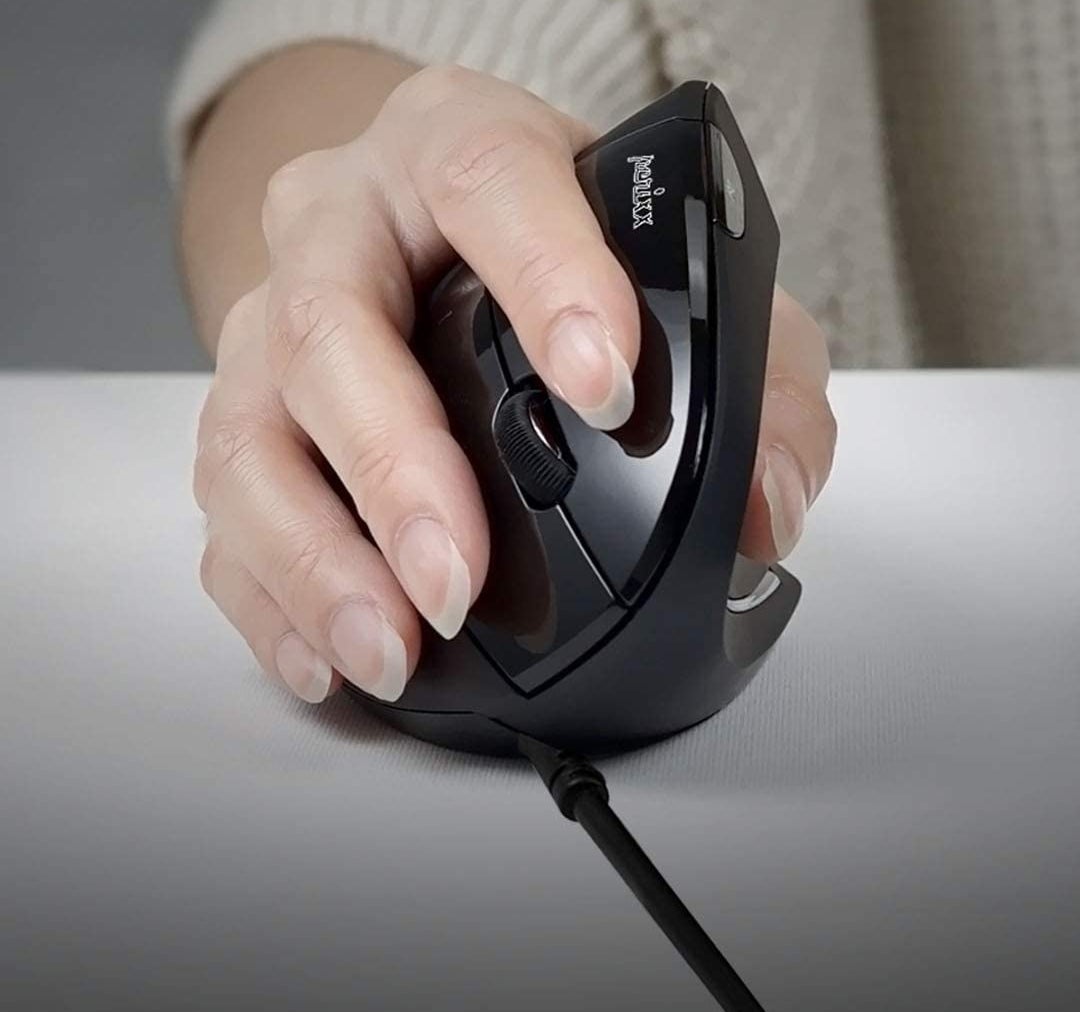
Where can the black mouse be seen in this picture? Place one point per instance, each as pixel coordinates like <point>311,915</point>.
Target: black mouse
<point>616,610</point>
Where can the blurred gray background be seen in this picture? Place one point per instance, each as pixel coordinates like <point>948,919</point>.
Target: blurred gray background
<point>87,278</point>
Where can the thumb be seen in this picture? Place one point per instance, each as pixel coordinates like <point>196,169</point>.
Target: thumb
<point>797,435</point>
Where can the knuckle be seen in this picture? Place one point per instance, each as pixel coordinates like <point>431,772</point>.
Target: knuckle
<point>809,400</point>
<point>242,315</point>
<point>291,189</point>
<point>372,463</point>
<point>241,321</point>
<point>538,269</point>
<point>477,162</point>
<point>207,565</point>
<point>227,449</point>
<point>208,415</point>
<point>430,87</point>
<point>310,318</point>
<point>300,565</point>
<point>303,554</point>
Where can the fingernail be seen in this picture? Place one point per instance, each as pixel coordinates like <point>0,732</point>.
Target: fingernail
<point>371,652</point>
<point>301,669</point>
<point>589,372</point>
<point>434,574</point>
<point>785,495</point>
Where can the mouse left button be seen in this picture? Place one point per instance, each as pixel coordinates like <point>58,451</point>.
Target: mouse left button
<point>544,605</point>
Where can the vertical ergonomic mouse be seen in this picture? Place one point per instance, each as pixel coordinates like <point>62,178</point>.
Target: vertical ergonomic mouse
<point>616,609</point>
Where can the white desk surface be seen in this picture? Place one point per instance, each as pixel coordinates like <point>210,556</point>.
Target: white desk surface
<point>887,819</point>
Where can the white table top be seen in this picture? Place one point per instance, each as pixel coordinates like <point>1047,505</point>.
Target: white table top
<point>888,818</point>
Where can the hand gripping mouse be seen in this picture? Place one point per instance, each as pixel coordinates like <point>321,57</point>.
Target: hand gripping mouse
<point>616,610</point>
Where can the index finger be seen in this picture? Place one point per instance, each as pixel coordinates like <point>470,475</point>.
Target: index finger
<point>496,175</point>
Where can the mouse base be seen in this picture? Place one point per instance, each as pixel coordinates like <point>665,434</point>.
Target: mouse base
<point>461,731</point>
<point>479,735</point>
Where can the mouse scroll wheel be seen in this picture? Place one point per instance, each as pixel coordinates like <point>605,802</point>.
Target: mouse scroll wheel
<point>525,434</point>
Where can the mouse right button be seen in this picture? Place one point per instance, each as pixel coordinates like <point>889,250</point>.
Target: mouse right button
<point>633,485</point>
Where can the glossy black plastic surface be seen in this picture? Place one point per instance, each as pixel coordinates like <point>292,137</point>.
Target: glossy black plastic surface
<point>603,623</point>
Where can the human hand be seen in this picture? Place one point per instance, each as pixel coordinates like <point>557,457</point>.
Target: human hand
<point>314,375</point>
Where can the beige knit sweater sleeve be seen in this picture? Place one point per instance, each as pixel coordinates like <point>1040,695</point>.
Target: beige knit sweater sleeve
<point>595,58</point>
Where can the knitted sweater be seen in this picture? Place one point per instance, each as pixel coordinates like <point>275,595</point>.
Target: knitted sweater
<point>923,158</point>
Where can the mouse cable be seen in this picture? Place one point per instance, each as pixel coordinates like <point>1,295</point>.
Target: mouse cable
<point>581,794</point>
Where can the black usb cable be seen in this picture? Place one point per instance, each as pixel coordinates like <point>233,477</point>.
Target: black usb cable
<point>581,794</point>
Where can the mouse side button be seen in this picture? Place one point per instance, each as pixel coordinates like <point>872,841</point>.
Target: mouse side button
<point>728,198</point>
<point>766,587</point>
